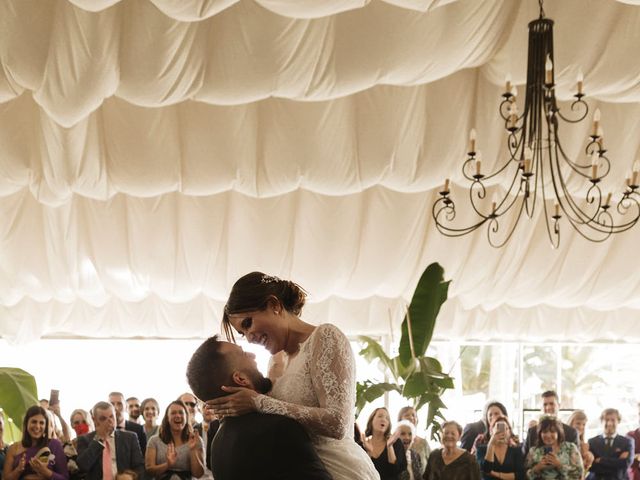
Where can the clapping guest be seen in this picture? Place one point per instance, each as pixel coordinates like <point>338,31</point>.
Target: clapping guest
<point>407,434</point>
<point>150,413</point>
<point>419,445</point>
<point>501,458</point>
<point>35,457</point>
<point>451,462</point>
<point>386,450</point>
<point>553,457</point>
<point>578,420</point>
<point>177,452</point>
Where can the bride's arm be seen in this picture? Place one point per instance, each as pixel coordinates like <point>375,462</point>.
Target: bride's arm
<point>332,369</point>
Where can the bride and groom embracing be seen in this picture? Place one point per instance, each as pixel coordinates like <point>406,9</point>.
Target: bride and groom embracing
<point>299,423</point>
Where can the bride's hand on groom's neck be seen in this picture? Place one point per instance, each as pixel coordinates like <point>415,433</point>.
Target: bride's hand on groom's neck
<point>240,401</point>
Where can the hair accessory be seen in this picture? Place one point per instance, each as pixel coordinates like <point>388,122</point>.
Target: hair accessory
<point>268,279</point>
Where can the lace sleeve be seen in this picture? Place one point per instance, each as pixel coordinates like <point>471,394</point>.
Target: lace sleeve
<point>332,370</point>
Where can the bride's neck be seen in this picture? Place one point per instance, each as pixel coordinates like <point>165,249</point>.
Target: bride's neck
<point>298,331</point>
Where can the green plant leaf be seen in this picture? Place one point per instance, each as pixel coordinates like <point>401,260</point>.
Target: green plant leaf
<point>12,432</point>
<point>18,392</point>
<point>374,351</point>
<point>431,292</point>
<point>367,392</point>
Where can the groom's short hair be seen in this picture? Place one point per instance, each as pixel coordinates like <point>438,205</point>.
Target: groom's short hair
<point>208,370</point>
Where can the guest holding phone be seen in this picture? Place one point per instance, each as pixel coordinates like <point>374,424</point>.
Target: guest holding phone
<point>501,457</point>
<point>578,420</point>
<point>553,458</point>
<point>35,457</point>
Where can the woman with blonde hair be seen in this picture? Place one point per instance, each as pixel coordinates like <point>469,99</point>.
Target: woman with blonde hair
<point>578,420</point>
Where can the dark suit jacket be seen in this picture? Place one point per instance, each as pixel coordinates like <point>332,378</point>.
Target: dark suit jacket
<point>570,435</point>
<point>128,454</point>
<point>607,463</point>
<point>470,432</point>
<point>139,431</point>
<point>267,447</point>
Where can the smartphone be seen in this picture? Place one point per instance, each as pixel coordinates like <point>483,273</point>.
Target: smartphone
<point>54,397</point>
<point>501,427</point>
<point>548,450</point>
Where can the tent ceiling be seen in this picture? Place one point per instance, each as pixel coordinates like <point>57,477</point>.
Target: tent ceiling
<point>152,151</point>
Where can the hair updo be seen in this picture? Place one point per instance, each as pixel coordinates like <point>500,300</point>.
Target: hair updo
<point>254,290</point>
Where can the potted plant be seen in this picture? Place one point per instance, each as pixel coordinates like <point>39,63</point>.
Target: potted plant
<point>415,376</point>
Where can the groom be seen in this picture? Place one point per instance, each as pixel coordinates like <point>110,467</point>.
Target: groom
<point>255,445</point>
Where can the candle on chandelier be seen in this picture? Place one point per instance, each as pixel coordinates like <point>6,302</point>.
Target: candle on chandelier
<point>472,140</point>
<point>548,70</point>
<point>600,134</point>
<point>446,186</point>
<point>514,93</point>
<point>627,178</point>
<point>478,163</point>
<point>556,207</point>
<point>594,165</point>
<point>528,155</point>
<point>513,116</point>
<point>636,170</point>
<point>494,202</point>
<point>507,83</point>
<point>596,122</point>
<point>580,81</point>
<point>608,200</point>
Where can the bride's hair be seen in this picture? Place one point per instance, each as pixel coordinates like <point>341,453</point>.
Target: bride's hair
<point>255,290</point>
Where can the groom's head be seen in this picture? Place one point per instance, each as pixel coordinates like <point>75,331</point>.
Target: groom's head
<point>216,364</point>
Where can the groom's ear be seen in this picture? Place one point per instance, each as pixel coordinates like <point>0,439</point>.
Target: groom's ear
<point>241,379</point>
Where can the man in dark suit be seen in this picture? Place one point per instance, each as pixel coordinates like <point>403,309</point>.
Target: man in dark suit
<point>612,453</point>
<point>255,445</point>
<point>117,400</point>
<point>106,452</point>
<point>551,407</point>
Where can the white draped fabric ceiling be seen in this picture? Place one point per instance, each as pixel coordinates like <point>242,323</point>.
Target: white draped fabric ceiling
<point>152,151</point>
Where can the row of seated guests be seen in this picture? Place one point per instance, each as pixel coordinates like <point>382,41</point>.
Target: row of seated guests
<point>552,449</point>
<point>102,451</point>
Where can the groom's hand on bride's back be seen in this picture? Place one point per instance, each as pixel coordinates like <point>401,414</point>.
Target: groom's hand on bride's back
<point>239,401</point>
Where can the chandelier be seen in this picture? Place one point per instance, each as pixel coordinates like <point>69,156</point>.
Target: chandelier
<point>540,165</point>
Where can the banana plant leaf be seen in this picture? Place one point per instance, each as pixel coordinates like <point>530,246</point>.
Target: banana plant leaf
<point>18,392</point>
<point>429,295</point>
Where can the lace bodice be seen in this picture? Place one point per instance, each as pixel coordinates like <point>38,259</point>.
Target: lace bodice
<point>318,386</point>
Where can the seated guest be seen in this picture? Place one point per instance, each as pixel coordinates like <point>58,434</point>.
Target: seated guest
<point>407,434</point>
<point>550,406</point>
<point>471,431</point>
<point>419,445</point>
<point>150,413</point>
<point>35,457</point>
<point>612,453</point>
<point>117,400</point>
<point>107,451</point>
<point>501,457</point>
<point>578,420</point>
<point>280,447</point>
<point>386,450</point>
<point>634,471</point>
<point>451,462</point>
<point>177,452</point>
<point>553,458</point>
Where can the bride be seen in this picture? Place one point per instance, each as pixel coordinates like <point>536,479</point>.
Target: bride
<point>316,382</point>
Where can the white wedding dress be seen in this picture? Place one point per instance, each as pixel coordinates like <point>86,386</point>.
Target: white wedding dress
<point>318,389</point>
